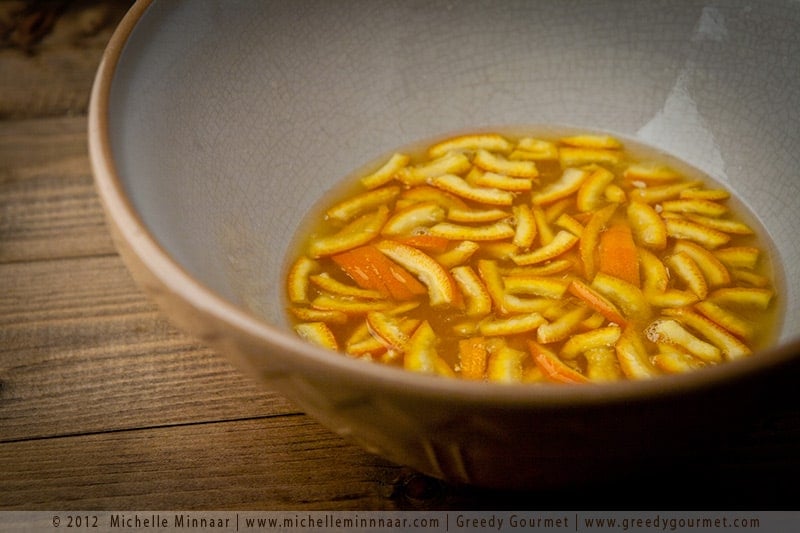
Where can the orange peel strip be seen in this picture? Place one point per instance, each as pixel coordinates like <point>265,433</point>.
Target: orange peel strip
<point>618,255</point>
<point>602,364</point>
<point>553,367</point>
<point>487,141</point>
<point>511,325</point>
<point>542,226</point>
<point>669,331</point>
<point>537,149</point>
<point>505,365</point>
<point>450,163</point>
<point>325,282</point>
<point>597,301</point>
<point>442,288</point>
<point>687,270</point>
<point>492,162</point>
<point>721,224</point>
<point>696,206</point>
<point>562,327</point>
<point>427,193</point>
<point>472,358</point>
<point>661,193</point>
<point>748,297</point>
<point>562,242</point>
<point>460,187</point>
<point>582,342</point>
<point>536,286</point>
<point>386,172</point>
<point>725,318</point>
<point>406,220</point>
<point>350,306</point>
<point>573,156</point>
<point>627,296</point>
<point>348,209</point>
<point>525,226</point>
<point>590,238</point>
<point>731,347</point>
<point>590,140</point>
<point>421,355</point>
<point>317,333</point>
<point>632,356</point>
<point>714,271</point>
<point>686,229</point>
<point>558,266</point>
<point>655,278</point>
<point>307,314</point>
<point>489,272</point>
<point>298,279</point>
<point>569,182</point>
<point>647,225</point>
<point>461,232</point>
<point>676,362</point>
<point>371,269</point>
<point>705,194</point>
<point>650,172</point>
<point>426,243</point>
<point>458,254</point>
<point>671,298</point>
<point>388,330</point>
<point>739,256</point>
<point>477,300</point>
<point>360,231</point>
<point>591,192</point>
<point>570,223</point>
<point>477,215</point>
<point>503,182</point>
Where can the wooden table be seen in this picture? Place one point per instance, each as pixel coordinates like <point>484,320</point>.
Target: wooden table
<point>104,405</point>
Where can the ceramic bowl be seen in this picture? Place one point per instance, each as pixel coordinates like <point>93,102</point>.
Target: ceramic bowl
<point>215,126</point>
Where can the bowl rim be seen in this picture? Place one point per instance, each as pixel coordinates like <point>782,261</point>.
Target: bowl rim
<point>120,212</point>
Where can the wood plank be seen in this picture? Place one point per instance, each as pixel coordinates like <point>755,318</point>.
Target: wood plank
<point>49,207</point>
<point>291,463</point>
<point>48,63</point>
<point>82,349</point>
<point>265,463</point>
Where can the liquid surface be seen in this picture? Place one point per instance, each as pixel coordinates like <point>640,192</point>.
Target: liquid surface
<point>534,258</point>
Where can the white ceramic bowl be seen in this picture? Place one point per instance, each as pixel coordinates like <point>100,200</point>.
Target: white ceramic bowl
<point>215,126</point>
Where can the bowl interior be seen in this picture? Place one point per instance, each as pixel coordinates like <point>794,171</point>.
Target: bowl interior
<point>228,122</point>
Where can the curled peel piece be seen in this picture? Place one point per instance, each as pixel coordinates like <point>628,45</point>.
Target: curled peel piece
<point>583,342</point>
<point>462,232</point>
<point>591,194</point>
<point>360,231</point>
<point>470,143</point>
<point>442,288</point>
<point>505,365</point>
<point>492,162</point>
<point>449,163</point>
<point>478,302</point>
<point>298,279</point>
<point>671,331</point>
<point>317,333</point>
<point>366,201</point>
<point>730,346</point>
<point>562,242</point>
<point>421,354</point>
<point>406,220</point>
<point>553,367</point>
<point>460,187</point>
<point>386,172</point>
<point>569,182</point>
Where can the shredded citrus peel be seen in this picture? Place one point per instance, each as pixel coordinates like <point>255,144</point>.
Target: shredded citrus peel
<point>532,260</point>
